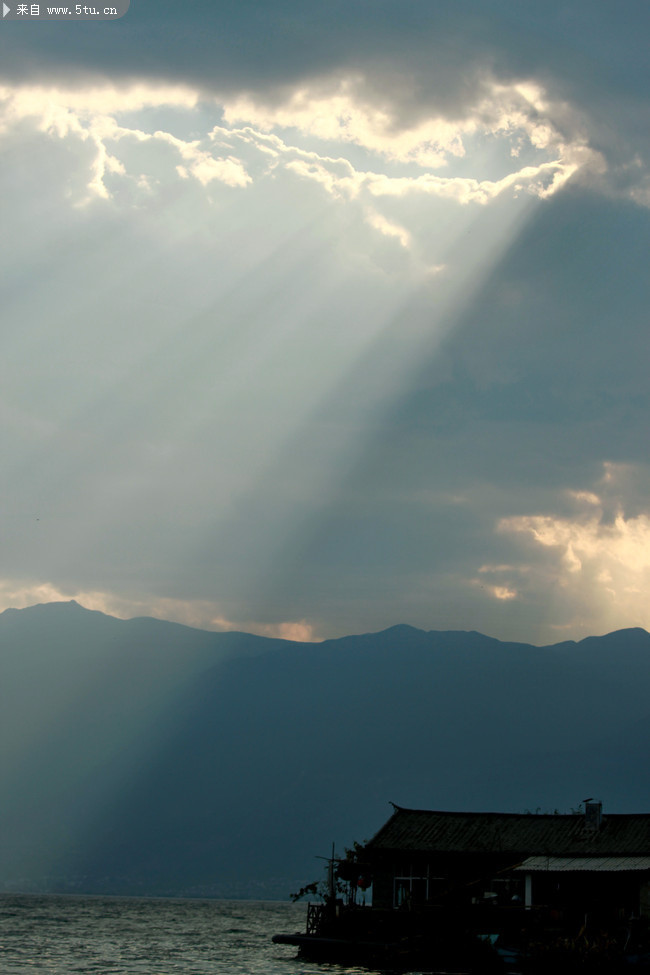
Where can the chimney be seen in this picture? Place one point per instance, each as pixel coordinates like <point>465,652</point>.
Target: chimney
<point>593,815</point>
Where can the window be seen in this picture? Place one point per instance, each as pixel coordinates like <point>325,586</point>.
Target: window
<point>411,885</point>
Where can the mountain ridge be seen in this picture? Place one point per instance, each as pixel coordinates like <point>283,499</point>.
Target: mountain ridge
<point>139,756</point>
<point>74,606</point>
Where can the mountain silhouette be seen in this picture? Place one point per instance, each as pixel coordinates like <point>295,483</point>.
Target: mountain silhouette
<point>139,756</point>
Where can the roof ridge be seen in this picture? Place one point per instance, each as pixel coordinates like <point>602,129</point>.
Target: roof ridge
<point>527,815</point>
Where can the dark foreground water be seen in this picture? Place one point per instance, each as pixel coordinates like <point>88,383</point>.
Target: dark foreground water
<point>129,936</point>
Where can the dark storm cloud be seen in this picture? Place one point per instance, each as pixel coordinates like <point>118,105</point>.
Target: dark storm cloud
<point>543,375</point>
<point>565,314</point>
<point>441,46</point>
<point>549,360</point>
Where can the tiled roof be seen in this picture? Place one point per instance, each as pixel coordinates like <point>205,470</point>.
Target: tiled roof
<point>421,830</point>
<point>580,864</point>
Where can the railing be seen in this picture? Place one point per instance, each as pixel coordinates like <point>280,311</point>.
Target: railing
<point>315,916</point>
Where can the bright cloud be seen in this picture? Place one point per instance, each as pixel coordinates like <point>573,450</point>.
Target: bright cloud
<point>90,117</point>
<point>597,564</point>
<point>387,228</point>
<point>299,631</point>
<point>202,164</point>
<point>342,116</point>
<point>515,115</point>
<point>492,581</point>
<point>336,111</point>
<point>65,111</point>
<point>501,592</point>
<point>620,547</point>
<point>588,496</point>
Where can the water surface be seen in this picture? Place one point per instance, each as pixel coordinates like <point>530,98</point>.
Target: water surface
<point>63,935</point>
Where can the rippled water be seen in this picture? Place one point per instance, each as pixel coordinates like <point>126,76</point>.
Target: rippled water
<point>129,936</point>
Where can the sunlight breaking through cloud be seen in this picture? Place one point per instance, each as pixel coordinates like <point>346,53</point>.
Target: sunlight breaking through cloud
<point>513,114</point>
<point>598,563</point>
<point>263,337</point>
<point>278,275</point>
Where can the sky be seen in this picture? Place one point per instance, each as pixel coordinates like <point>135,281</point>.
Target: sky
<point>320,318</point>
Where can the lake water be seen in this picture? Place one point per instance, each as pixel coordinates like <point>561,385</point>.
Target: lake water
<point>63,935</point>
